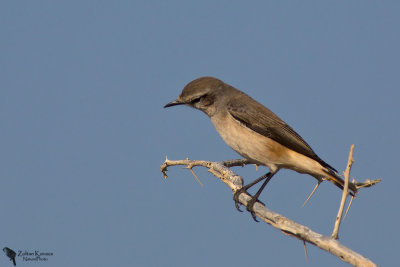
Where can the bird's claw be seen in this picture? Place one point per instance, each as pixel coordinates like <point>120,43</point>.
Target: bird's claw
<point>250,208</point>
<point>236,198</point>
<point>250,203</point>
<point>237,205</point>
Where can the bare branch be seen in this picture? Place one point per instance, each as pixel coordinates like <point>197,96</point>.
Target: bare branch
<point>285,225</point>
<point>335,233</point>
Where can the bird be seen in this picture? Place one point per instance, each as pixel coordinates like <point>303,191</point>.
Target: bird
<point>255,133</point>
<point>11,254</point>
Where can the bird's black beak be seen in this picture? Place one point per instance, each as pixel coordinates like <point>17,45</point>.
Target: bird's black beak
<point>173,103</point>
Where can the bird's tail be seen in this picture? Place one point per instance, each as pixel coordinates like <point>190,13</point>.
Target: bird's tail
<point>334,178</point>
<point>15,264</point>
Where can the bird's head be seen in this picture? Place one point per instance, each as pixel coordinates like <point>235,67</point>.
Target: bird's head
<point>200,94</point>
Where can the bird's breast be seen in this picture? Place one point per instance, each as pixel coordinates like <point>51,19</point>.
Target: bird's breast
<point>259,148</point>
<point>249,143</point>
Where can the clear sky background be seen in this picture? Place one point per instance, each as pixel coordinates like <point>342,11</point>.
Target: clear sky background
<point>83,129</point>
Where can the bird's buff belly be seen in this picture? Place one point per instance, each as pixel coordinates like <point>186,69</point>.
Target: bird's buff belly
<point>258,148</point>
<point>250,144</point>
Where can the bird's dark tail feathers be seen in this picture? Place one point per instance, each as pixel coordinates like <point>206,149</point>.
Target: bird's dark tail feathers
<point>339,182</point>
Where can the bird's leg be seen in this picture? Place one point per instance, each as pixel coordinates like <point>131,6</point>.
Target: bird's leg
<point>254,199</point>
<point>244,189</point>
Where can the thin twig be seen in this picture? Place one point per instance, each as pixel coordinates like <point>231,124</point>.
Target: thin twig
<point>305,250</point>
<point>194,174</point>
<point>335,233</point>
<point>312,193</point>
<point>348,207</point>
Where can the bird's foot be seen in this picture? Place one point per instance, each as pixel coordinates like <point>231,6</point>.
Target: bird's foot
<point>250,203</point>
<point>250,207</point>
<point>236,197</point>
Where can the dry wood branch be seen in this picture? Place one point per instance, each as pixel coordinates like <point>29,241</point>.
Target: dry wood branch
<point>287,226</point>
<point>350,161</point>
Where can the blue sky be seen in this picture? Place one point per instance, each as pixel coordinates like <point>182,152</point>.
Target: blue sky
<point>83,129</point>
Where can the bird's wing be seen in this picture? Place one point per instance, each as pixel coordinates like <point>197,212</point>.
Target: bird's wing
<point>263,121</point>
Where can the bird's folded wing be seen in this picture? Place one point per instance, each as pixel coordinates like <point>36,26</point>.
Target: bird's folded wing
<point>263,121</point>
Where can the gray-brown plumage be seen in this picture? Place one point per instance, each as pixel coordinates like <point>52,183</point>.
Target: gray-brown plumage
<point>263,121</point>
<point>254,131</point>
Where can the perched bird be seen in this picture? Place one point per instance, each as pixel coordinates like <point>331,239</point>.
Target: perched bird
<point>256,133</point>
<point>11,254</point>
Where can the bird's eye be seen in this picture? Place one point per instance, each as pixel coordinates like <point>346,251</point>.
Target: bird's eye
<point>196,100</point>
